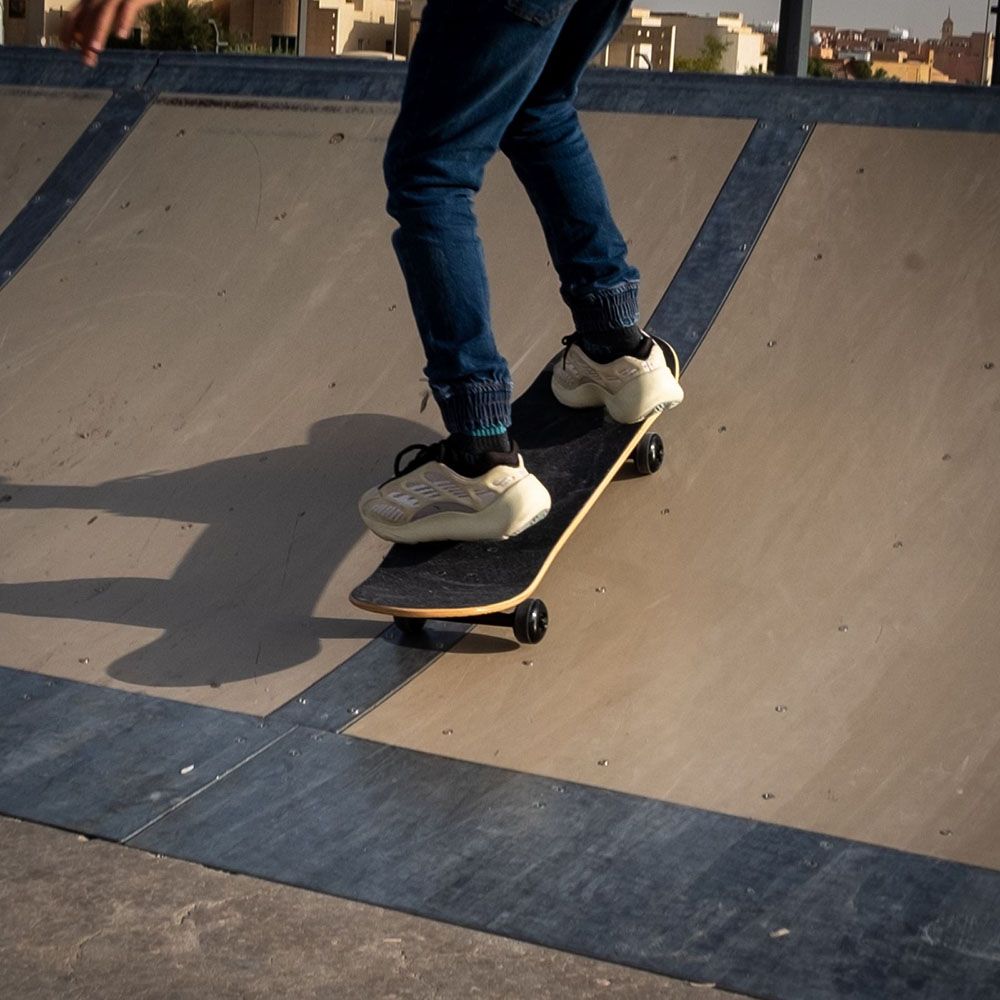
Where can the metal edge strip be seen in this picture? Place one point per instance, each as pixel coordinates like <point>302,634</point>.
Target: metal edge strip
<point>70,179</point>
<point>715,261</point>
<point>364,680</point>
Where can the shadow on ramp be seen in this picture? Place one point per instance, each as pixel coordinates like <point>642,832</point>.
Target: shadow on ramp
<point>269,530</point>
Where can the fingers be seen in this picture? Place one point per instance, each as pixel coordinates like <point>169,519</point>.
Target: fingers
<point>90,22</point>
<point>125,17</point>
<point>67,29</point>
<point>100,28</point>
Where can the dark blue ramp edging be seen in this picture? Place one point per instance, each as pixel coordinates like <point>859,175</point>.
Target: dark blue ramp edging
<point>368,677</point>
<point>755,907</point>
<point>37,67</point>
<point>342,79</point>
<point>106,762</point>
<point>728,236</point>
<point>64,187</point>
<point>886,104</point>
<point>752,907</point>
<point>878,103</point>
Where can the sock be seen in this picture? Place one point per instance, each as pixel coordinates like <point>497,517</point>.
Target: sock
<point>473,454</point>
<point>603,346</point>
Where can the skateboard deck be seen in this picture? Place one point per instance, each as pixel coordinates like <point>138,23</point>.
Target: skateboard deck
<point>576,454</point>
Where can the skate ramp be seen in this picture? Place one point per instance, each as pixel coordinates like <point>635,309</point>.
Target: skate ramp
<point>796,621</point>
<point>212,357</point>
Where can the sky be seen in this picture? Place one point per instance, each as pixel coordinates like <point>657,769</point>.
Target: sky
<point>922,17</point>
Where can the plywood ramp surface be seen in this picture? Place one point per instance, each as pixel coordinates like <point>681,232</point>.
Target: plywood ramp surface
<point>37,129</point>
<point>797,620</point>
<point>211,359</point>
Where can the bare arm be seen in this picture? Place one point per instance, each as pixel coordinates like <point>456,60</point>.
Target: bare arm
<point>91,22</point>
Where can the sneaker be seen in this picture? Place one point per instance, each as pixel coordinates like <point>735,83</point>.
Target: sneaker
<point>428,501</point>
<point>632,387</point>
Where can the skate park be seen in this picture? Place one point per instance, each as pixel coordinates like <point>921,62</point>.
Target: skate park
<point>757,751</point>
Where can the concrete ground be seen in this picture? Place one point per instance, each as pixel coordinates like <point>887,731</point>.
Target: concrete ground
<point>85,918</point>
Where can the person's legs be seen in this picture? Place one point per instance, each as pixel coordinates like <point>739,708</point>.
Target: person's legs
<point>552,159</point>
<point>609,361</point>
<point>473,64</point>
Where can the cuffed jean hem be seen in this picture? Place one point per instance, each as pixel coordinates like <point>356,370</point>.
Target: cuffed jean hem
<point>606,309</point>
<point>474,406</point>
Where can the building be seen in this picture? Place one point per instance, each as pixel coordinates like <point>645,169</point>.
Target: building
<point>965,58</point>
<point>662,40</point>
<point>642,42</point>
<point>24,22</point>
<point>908,70</point>
<point>334,27</point>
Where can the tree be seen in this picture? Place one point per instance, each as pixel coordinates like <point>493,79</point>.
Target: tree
<point>174,26</point>
<point>881,74</point>
<point>819,68</point>
<point>708,60</point>
<point>861,70</point>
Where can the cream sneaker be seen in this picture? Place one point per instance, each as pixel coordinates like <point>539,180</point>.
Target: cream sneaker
<point>428,501</point>
<point>632,388</point>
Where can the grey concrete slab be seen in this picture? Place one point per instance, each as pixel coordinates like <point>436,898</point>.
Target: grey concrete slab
<point>795,621</point>
<point>85,920</point>
<point>38,128</point>
<point>759,909</point>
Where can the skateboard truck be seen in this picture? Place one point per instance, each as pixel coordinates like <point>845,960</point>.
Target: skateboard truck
<point>529,621</point>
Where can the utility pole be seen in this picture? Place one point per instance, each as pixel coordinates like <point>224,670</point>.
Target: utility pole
<point>794,29</point>
<point>300,40</point>
<point>996,47</point>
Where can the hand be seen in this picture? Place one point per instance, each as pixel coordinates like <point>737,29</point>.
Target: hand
<point>90,23</point>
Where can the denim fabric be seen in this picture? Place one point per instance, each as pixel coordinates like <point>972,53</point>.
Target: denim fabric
<point>487,75</point>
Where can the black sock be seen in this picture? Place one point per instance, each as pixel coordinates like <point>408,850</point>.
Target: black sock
<point>603,346</point>
<point>478,444</point>
<point>473,454</point>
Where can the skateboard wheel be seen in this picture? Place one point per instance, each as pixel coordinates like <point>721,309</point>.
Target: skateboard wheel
<point>648,454</point>
<point>409,626</point>
<point>531,621</point>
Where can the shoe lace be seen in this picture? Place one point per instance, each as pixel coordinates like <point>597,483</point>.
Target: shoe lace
<point>423,453</point>
<point>568,342</point>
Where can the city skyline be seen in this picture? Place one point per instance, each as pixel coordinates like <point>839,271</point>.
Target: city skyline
<point>921,17</point>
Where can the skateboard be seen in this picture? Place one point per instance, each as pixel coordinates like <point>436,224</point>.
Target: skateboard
<point>576,454</point>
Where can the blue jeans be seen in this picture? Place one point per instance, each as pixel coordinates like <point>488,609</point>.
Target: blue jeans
<point>487,75</point>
